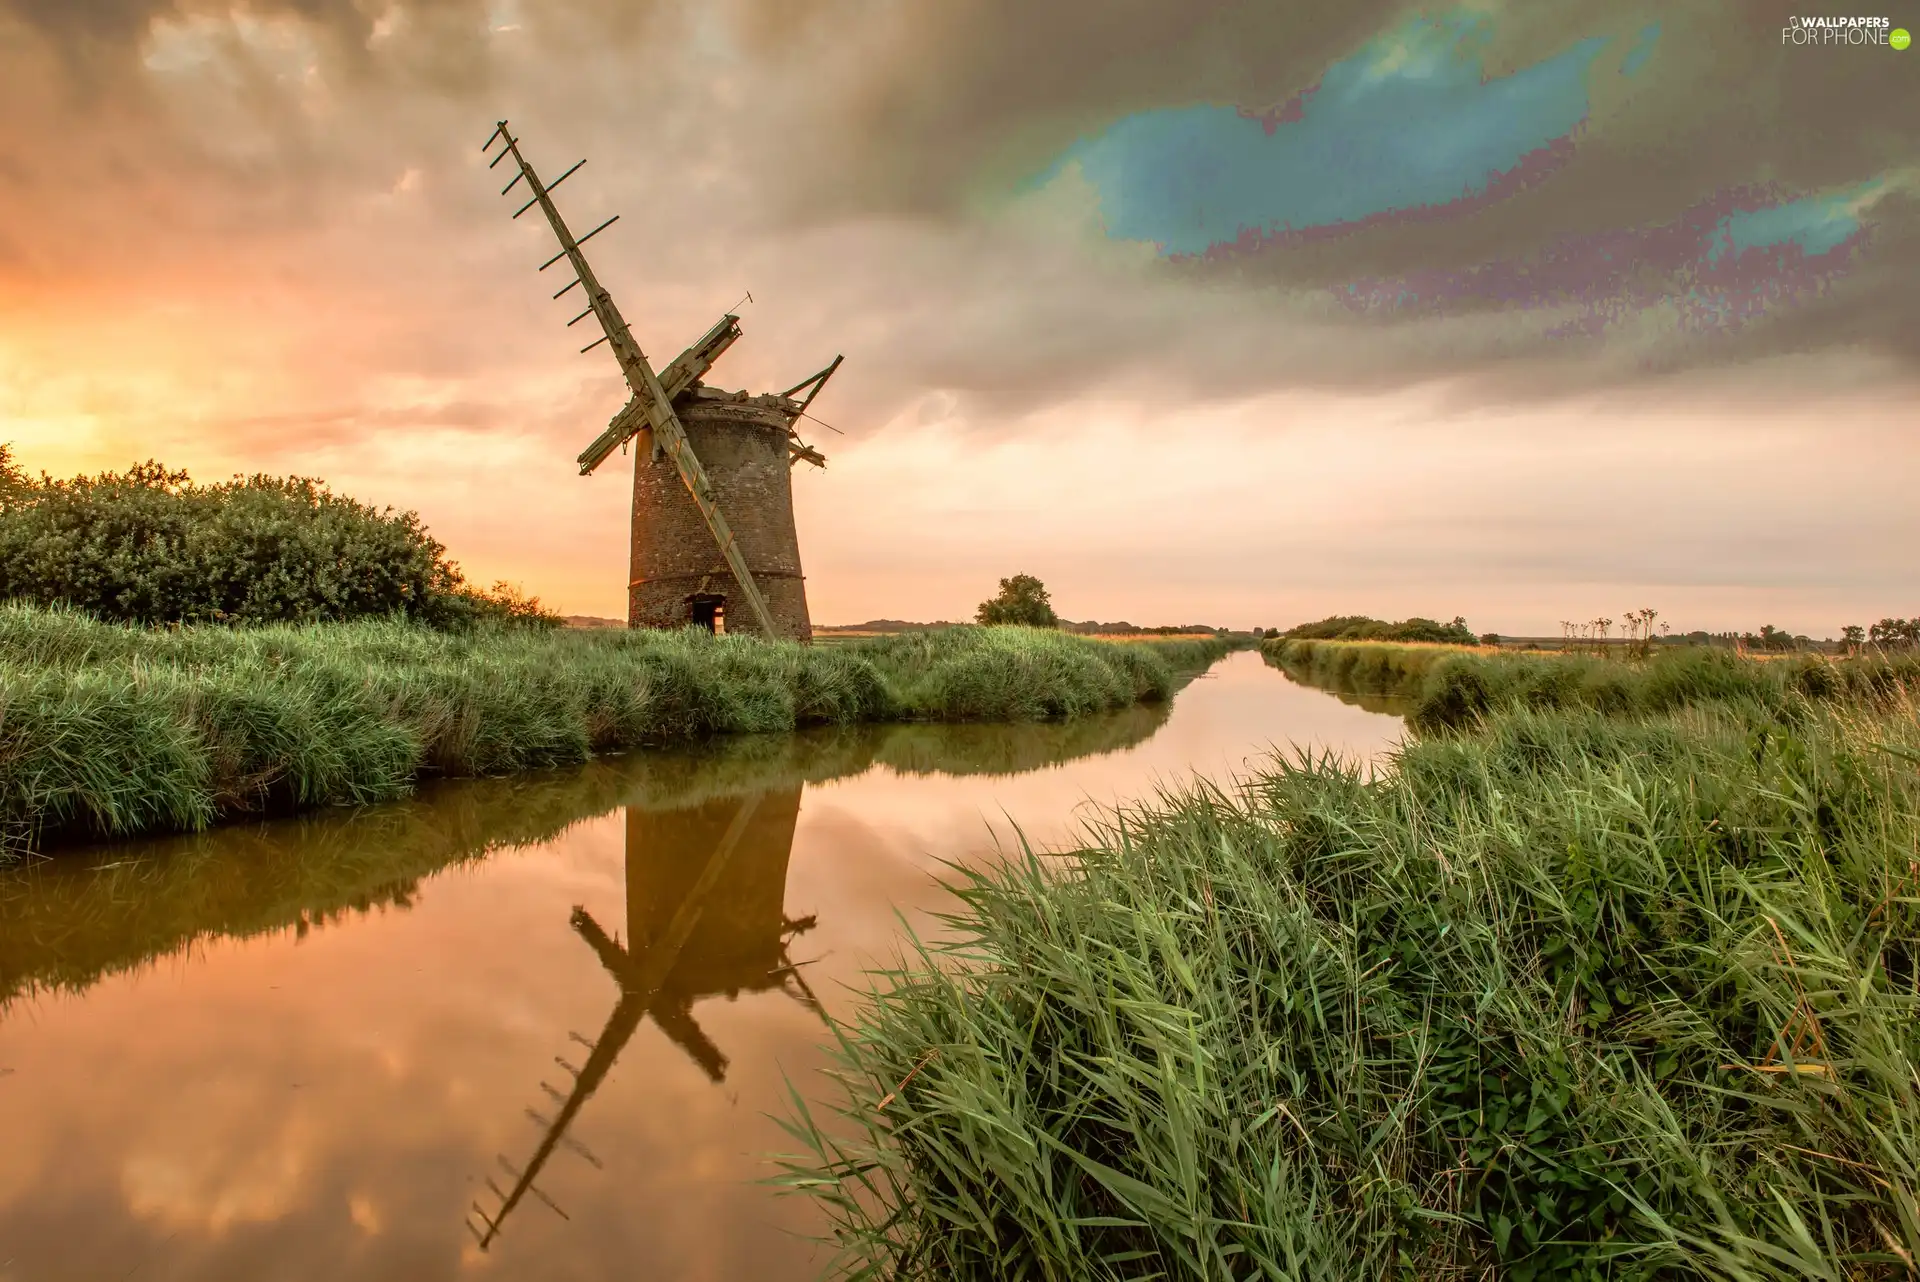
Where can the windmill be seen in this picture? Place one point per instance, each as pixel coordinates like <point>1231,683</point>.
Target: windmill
<point>712,495</point>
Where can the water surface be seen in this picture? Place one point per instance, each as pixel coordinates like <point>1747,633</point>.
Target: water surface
<point>523,1028</point>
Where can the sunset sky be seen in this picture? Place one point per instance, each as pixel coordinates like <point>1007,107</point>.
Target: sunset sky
<point>1197,310</point>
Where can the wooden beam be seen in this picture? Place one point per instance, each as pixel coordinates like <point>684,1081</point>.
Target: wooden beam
<point>686,369</point>
<point>817,382</point>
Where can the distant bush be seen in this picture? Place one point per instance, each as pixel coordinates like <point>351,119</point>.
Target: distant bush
<point>1358,627</point>
<point>1023,601</point>
<point>152,546</point>
<point>1093,627</point>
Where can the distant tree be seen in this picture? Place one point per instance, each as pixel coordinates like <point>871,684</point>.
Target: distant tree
<point>15,484</point>
<point>1359,627</point>
<point>1489,638</point>
<point>1022,600</point>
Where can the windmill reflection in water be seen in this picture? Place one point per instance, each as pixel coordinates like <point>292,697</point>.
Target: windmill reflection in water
<point>696,928</point>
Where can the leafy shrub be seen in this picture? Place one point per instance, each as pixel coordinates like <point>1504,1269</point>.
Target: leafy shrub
<point>152,546</point>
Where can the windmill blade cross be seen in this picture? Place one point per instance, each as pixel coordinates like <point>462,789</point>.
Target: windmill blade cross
<point>686,369</point>
<point>653,400</point>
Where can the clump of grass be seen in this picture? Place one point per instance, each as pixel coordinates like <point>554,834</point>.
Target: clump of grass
<point>1575,995</point>
<point>1021,674</point>
<point>110,730</point>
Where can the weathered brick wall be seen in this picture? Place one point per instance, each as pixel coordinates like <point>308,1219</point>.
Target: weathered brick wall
<point>743,447</point>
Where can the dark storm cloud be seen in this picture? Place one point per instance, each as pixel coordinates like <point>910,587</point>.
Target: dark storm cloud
<point>967,100</point>
<point>940,100</point>
<point>948,97</point>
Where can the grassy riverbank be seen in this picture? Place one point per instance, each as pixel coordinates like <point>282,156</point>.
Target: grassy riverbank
<point>1624,987</point>
<point>1453,685</point>
<point>112,730</point>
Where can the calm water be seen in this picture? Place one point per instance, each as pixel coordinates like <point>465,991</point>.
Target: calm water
<point>338,1046</point>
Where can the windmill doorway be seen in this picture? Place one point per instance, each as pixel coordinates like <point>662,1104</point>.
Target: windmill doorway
<point>708,610</point>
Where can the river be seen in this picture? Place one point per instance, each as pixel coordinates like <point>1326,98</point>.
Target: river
<point>535,1027</point>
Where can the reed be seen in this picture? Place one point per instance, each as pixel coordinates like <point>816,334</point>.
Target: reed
<point>112,730</point>
<point>1452,685</point>
<point>1571,994</point>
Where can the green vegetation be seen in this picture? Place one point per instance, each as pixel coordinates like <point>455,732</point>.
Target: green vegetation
<point>1620,985</point>
<point>115,730</point>
<point>1093,627</point>
<point>1010,673</point>
<point>1358,627</point>
<point>1022,600</point>
<point>1891,632</point>
<point>1451,688</point>
<point>15,484</point>
<point>152,546</point>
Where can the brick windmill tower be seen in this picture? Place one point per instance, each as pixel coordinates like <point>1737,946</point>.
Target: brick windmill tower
<point>714,543</point>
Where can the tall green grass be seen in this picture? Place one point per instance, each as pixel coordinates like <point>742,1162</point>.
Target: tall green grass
<point>1574,995</point>
<point>1450,686</point>
<point>109,730</point>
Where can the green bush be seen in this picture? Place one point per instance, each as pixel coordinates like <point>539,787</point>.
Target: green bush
<point>1021,601</point>
<point>152,546</point>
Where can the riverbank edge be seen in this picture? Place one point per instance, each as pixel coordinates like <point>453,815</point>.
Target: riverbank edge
<point>108,731</point>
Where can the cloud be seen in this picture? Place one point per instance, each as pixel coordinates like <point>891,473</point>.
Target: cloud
<point>1483,161</point>
<point>262,235</point>
<point>871,167</point>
